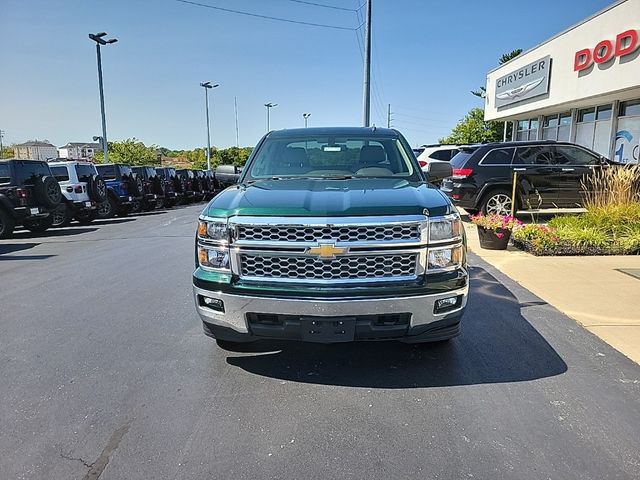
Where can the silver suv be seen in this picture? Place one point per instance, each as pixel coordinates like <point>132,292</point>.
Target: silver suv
<point>82,190</point>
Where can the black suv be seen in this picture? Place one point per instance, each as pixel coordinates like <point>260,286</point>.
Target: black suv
<point>167,176</point>
<point>227,175</point>
<point>549,175</point>
<point>28,194</point>
<point>124,188</point>
<point>153,188</point>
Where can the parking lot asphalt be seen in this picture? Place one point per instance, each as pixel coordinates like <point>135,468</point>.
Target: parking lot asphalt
<point>106,374</point>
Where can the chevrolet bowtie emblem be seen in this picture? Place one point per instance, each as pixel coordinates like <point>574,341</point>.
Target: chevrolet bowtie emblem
<point>326,250</point>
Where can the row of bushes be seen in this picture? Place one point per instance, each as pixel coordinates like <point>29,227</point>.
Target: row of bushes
<point>606,230</point>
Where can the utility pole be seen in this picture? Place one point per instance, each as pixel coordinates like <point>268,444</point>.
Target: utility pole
<point>235,106</point>
<point>98,38</point>
<point>366,94</point>
<point>207,86</point>
<point>269,106</point>
<point>388,115</point>
<point>306,117</point>
<point>1,151</point>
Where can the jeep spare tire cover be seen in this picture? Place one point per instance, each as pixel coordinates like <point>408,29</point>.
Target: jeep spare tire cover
<point>47,191</point>
<point>139,186</point>
<point>98,189</point>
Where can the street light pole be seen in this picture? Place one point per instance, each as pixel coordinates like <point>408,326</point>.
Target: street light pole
<point>366,88</point>
<point>306,117</point>
<point>98,38</point>
<point>207,86</point>
<point>1,150</point>
<point>269,106</point>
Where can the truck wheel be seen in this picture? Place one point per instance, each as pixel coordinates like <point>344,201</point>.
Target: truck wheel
<point>40,225</point>
<point>6,224</point>
<point>497,201</point>
<point>106,209</point>
<point>61,216</point>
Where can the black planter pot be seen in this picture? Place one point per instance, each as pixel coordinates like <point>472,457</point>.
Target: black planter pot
<point>494,240</point>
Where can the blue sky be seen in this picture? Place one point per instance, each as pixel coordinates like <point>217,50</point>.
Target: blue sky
<point>427,56</point>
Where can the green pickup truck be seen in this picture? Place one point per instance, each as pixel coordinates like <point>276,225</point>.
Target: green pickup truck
<point>331,235</point>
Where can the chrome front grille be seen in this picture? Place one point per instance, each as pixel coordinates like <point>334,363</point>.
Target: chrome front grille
<point>348,267</point>
<point>407,232</point>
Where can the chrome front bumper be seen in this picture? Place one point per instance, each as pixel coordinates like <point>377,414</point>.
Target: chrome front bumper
<point>236,307</point>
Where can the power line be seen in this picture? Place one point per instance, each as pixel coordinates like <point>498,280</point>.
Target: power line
<point>323,5</point>
<point>267,17</point>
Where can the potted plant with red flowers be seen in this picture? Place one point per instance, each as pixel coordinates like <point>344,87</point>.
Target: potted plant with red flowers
<point>494,231</point>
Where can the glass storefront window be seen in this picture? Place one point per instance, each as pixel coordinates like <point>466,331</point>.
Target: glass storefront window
<point>586,115</point>
<point>603,112</point>
<point>630,108</point>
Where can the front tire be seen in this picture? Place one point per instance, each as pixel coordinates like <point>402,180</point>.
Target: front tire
<point>61,216</point>
<point>497,201</point>
<point>7,224</point>
<point>106,209</point>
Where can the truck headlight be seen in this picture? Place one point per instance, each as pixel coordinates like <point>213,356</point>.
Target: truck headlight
<point>213,258</point>
<point>213,230</point>
<point>444,258</point>
<point>443,229</point>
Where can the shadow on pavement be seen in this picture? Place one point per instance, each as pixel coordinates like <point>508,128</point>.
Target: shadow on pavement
<point>147,214</point>
<point>16,247</point>
<point>62,232</point>
<point>112,221</point>
<point>497,345</point>
<point>25,257</point>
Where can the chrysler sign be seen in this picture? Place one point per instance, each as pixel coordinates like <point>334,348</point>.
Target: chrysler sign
<point>527,82</point>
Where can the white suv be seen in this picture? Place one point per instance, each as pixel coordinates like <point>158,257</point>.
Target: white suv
<point>82,190</point>
<point>437,152</point>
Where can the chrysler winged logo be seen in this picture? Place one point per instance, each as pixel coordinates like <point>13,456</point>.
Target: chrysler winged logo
<point>326,250</point>
<point>520,91</point>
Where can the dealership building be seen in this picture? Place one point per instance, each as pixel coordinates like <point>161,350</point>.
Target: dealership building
<point>582,85</point>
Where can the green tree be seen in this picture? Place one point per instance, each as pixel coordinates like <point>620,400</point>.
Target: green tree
<point>132,152</point>
<point>504,58</point>
<point>474,129</point>
<point>8,151</point>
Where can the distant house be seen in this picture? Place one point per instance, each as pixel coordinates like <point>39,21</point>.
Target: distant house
<point>79,150</point>
<point>35,150</point>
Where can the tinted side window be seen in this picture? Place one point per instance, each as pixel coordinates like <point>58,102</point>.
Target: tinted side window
<point>27,172</point>
<point>85,172</point>
<point>461,158</point>
<point>107,171</point>
<point>441,155</point>
<point>566,155</point>
<point>536,155</point>
<point>61,173</point>
<point>4,173</point>
<point>499,156</point>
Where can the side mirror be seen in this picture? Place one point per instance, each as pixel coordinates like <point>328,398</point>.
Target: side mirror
<point>437,171</point>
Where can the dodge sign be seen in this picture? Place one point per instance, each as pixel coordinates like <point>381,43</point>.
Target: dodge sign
<point>527,82</point>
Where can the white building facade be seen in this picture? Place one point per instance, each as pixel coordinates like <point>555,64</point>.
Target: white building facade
<point>35,150</point>
<point>583,86</point>
<point>79,150</point>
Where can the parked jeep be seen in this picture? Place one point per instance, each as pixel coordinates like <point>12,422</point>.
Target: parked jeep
<point>168,175</point>
<point>187,180</point>
<point>154,188</point>
<point>331,235</point>
<point>82,190</point>
<point>207,183</point>
<point>227,175</point>
<point>28,194</point>
<point>123,189</point>
<point>212,184</point>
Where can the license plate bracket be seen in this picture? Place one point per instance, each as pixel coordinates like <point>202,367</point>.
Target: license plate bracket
<point>328,329</point>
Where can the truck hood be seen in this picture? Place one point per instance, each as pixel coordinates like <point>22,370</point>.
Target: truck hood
<point>320,197</point>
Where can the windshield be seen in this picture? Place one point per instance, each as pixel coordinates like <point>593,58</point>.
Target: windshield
<point>332,157</point>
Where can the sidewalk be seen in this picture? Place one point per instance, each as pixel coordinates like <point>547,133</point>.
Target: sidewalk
<point>588,289</point>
